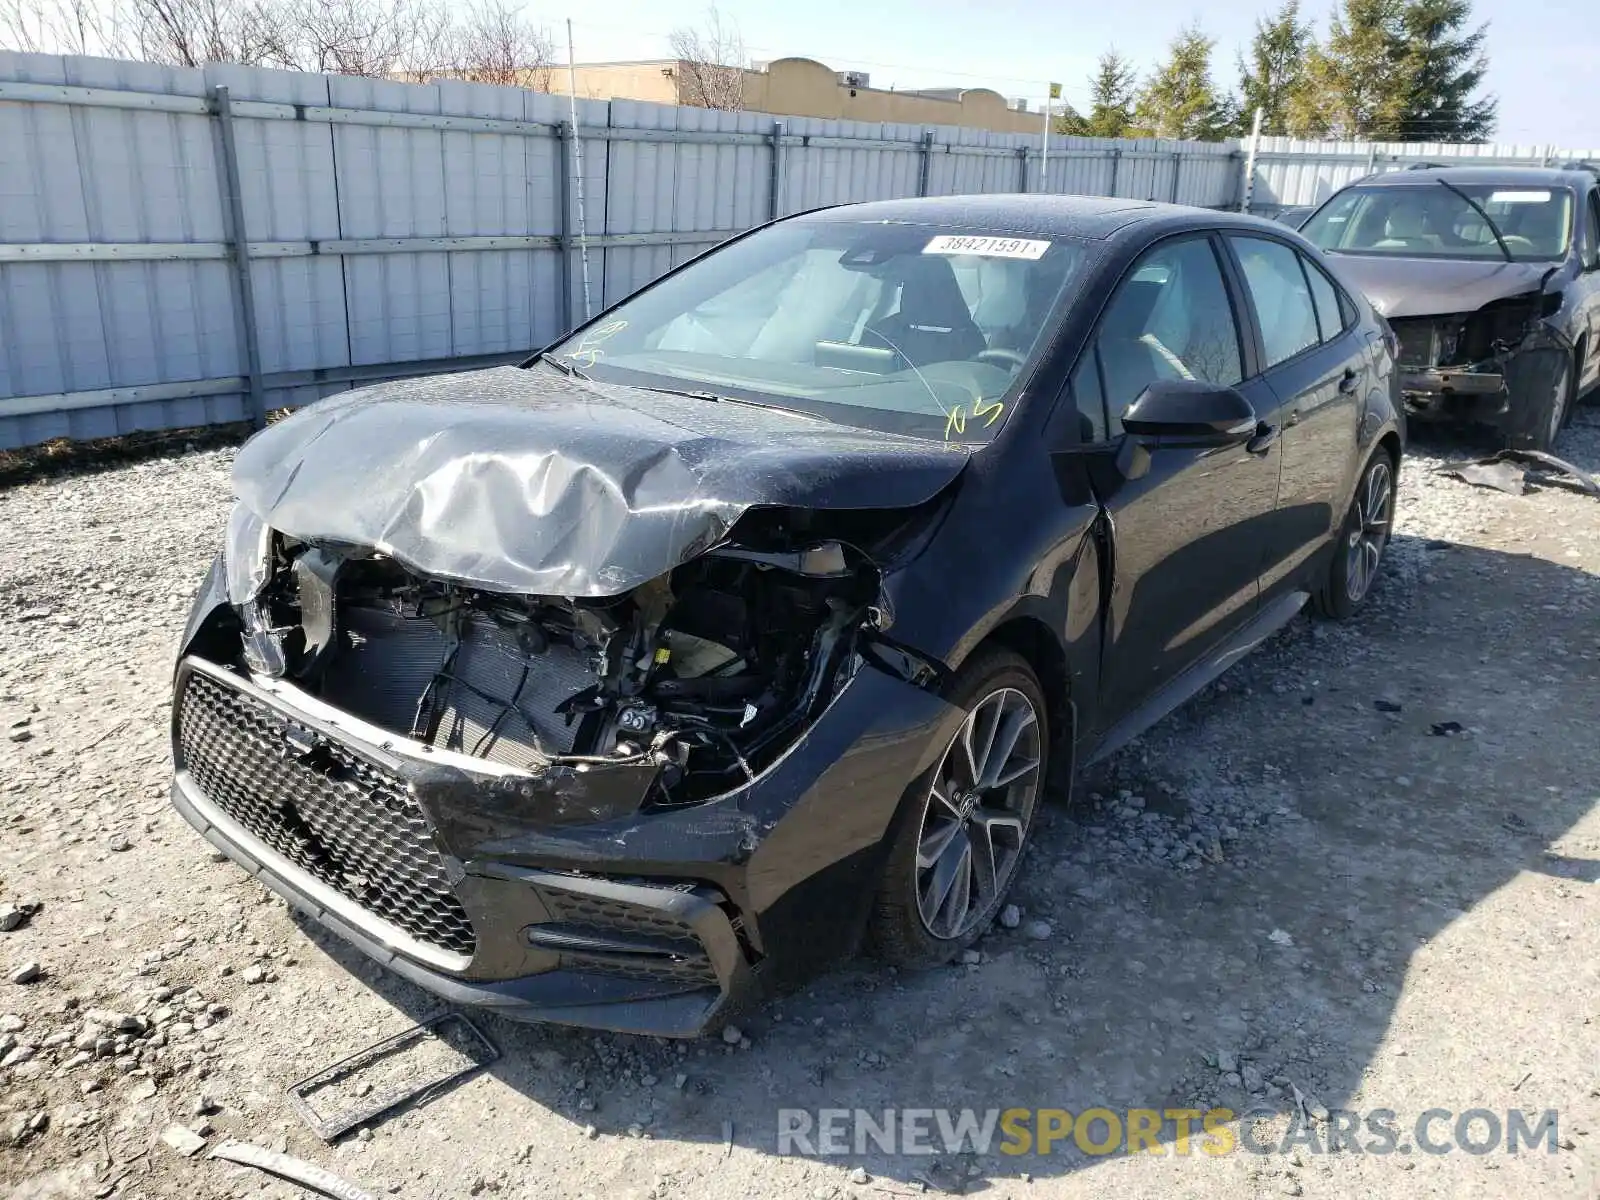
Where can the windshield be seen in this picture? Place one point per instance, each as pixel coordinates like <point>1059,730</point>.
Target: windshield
<point>906,328</point>
<point>1431,220</point>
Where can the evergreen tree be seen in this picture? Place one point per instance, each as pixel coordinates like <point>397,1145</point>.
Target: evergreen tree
<point>1070,121</point>
<point>1445,66</point>
<point>1111,94</point>
<point>1180,100</point>
<point>1356,83</point>
<point>1275,69</point>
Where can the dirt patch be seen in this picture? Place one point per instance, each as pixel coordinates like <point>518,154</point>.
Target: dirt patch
<point>1358,873</point>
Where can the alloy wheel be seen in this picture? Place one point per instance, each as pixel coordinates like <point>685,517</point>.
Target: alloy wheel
<point>977,813</point>
<point>1369,531</point>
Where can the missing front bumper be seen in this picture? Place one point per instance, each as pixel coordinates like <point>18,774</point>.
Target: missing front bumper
<point>343,831</point>
<point>1470,394</point>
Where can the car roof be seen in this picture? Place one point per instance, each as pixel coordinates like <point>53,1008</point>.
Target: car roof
<point>1095,218</point>
<point>1538,176</point>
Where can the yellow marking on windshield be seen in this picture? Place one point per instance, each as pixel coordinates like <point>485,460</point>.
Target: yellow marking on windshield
<point>956,419</point>
<point>588,351</point>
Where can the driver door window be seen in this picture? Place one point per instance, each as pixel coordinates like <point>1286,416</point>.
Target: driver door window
<point>1170,319</point>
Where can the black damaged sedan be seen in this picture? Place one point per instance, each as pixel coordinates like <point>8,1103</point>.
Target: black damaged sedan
<point>746,625</point>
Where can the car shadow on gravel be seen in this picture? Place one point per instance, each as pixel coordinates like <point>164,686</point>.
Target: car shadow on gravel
<point>1234,901</point>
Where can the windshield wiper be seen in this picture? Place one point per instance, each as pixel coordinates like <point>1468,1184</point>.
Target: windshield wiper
<point>691,393</point>
<point>565,368</point>
<point>720,398</point>
<point>1487,220</point>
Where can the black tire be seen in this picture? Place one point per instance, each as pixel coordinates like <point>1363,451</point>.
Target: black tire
<point>1538,420</point>
<point>1363,537</point>
<point>898,931</point>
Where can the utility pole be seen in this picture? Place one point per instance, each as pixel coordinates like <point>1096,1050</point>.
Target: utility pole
<point>1051,96</point>
<point>1250,164</point>
<point>577,162</point>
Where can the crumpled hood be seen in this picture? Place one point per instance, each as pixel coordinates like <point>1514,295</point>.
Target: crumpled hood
<point>530,482</point>
<point>1427,287</point>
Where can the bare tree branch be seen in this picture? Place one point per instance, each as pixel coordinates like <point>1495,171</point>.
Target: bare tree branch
<point>712,60</point>
<point>491,42</point>
<point>61,27</point>
<point>497,44</point>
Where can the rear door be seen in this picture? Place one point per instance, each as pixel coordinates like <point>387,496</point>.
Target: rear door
<point>1318,364</point>
<point>1188,527</point>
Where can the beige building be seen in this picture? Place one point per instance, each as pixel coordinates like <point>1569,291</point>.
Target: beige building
<point>799,87</point>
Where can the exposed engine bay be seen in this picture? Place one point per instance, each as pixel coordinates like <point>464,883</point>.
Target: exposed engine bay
<point>1494,331</point>
<point>708,672</point>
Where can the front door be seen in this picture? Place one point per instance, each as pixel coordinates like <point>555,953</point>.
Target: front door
<point>1189,525</point>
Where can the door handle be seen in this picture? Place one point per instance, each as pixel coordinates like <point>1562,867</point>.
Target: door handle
<point>1347,381</point>
<point>1265,436</point>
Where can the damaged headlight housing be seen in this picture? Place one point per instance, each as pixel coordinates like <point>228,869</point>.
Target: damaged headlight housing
<point>246,551</point>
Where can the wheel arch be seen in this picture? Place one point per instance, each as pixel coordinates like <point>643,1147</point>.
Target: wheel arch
<point>1037,644</point>
<point>1390,442</point>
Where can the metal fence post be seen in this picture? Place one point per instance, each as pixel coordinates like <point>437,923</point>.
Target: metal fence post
<point>239,252</point>
<point>926,165</point>
<point>1116,165</point>
<point>1248,190</point>
<point>1022,168</point>
<point>775,208</point>
<point>564,132</point>
<point>1177,172</point>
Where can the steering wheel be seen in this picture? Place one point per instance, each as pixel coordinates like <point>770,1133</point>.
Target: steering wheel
<point>997,356</point>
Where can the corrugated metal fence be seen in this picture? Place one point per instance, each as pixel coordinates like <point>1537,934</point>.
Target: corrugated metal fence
<point>1291,172</point>
<point>395,229</point>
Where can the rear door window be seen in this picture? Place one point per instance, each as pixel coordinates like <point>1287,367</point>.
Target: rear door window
<point>1282,297</point>
<point>1330,313</point>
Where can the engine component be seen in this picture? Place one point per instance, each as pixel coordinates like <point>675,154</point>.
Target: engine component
<point>709,671</point>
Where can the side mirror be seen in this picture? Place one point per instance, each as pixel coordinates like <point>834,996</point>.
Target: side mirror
<point>1193,410</point>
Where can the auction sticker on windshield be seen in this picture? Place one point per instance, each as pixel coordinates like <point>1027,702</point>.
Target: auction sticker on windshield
<point>987,247</point>
<point>1520,198</point>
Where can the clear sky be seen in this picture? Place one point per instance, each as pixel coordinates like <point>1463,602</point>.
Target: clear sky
<point>1544,55</point>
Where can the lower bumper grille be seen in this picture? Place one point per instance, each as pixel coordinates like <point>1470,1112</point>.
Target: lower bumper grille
<point>639,942</point>
<point>341,819</point>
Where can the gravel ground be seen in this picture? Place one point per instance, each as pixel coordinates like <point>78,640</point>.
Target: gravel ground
<point>1304,883</point>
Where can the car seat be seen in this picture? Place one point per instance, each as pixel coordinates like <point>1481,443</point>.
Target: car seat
<point>932,323</point>
<point>1130,359</point>
<point>1405,228</point>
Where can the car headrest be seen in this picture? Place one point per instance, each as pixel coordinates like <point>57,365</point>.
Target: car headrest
<point>1405,222</point>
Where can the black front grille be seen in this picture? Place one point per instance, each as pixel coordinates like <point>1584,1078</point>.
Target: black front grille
<point>338,817</point>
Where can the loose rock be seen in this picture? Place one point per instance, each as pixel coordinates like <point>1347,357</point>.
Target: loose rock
<point>185,1141</point>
